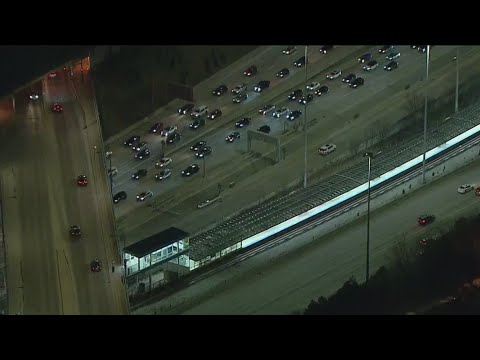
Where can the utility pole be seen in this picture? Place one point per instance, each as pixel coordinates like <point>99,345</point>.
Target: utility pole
<point>305,121</point>
<point>425,117</point>
<point>456,84</point>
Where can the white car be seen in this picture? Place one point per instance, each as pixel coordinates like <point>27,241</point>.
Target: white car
<point>112,171</point>
<point>200,111</point>
<point>239,89</point>
<point>393,56</point>
<point>144,195</point>
<point>372,65</point>
<point>163,162</point>
<point>465,188</point>
<point>334,74</point>
<point>266,109</point>
<point>162,175</point>
<point>327,149</point>
<point>281,111</point>
<point>169,130</point>
<point>313,86</point>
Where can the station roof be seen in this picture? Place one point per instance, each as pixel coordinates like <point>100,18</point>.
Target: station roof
<point>156,242</point>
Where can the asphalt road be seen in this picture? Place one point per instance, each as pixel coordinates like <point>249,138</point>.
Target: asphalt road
<point>288,282</point>
<point>48,270</point>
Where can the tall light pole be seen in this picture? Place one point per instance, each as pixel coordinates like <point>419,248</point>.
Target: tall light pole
<point>456,83</point>
<point>425,116</point>
<point>305,122</point>
<point>367,273</point>
<point>204,167</point>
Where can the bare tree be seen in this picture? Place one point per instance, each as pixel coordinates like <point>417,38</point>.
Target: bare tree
<point>414,103</point>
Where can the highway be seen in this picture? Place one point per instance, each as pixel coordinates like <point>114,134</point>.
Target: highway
<point>42,155</point>
<point>382,100</point>
<point>284,279</point>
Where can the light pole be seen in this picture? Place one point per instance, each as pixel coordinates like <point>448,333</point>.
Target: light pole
<point>425,116</point>
<point>305,122</point>
<point>204,167</point>
<point>456,83</point>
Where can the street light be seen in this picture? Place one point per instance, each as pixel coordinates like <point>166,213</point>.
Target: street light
<point>425,117</point>
<point>457,60</point>
<point>305,121</point>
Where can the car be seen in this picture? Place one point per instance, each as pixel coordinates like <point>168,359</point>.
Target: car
<point>413,46</point>
<point>197,123</point>
<point>425,219</point>
<point>262,85</point>
<point>295,94</point>
<point>132,140</point>
<point>173,138</point>
<point>140,146</point>
<point>264,129</point>
<point>322,90</point>
<point>325,49</point>
<point>294,114</point>
<point>243,122</point>
<point>156,128</point>
<point>239,89</point>
<point>385,48</point>
<point>219,91</point>
<point>215,114</point>
<point>357,82</point>
<point>462,189</point>
<point>289,50</point>
<point>75,230</point>
<point>283,73</point>
<point>192,169</point>
<point>305,99</point>
<point>82,180</point>
<point>365,57</point>
<point>203,152</point>
<point>300,62</point>
<point>200,111</point>
<point>112,171</point>
<point>334,74</point>
<point>122,195</point>
<point>162,175</point>
<point>198,145</point>
<point>169,130</point>
<point>57,107</point>
<point>34,96</point>
<point>95,265</point>
<point>52,74</point>
<point>327,149</point>
<point>231,137</point>
<point>393,55</point>
<point>139,174</point>
<point>144,154</point>
<point>423,48</point>
<point>185,109</point>
<point>313,86</point>
<point>144,195</point>
<point>250,71</point>
<point>281,112</point>
<point>370,66</point>
<point>240,98</point>
<point>349,78</point>
<point>266,109</point>
<point>108,154</point>
<point>163,162</point>
<point>391,65</point>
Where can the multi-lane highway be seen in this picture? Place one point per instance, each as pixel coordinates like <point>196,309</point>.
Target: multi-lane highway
<point>49,271</point>
<point>275,282</point>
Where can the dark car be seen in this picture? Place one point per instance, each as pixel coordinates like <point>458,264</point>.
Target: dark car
<point>322,90</point>
<point>75,230</point>
<point>222,89</point>
<point>264,128</point>
<point>197,123</point>
<point>95,265</point>
<point>357,82</point>
<point>231,137</point>
<point>173,138</point>
<point>243,122</point>
<point>326,48</point>
<point>423,48</point>
<point>198,145</point>
<point>203,152</point>
<point>391,65</point>
<point>251,71</point>
<point>305,99</point>
<point>283,73</point>
<point>349,78</point>
<point>192,169</point>
<point>156,128</point>
<point>215,114</point>
<point>300,62</point>
<point>240,98</point>
<point>425,219</point>
<point>139,173</point>
<point>365,57</point>
<point>294,95</point>
<point>294,114</point>
<point>122,195</point>
<point>385,48</point>
<point>143,154</point>
<point>82,180</point>
<point>131,141</point>
<point>57,107</point>
<point>262,85</point>
<point>186,109</point>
